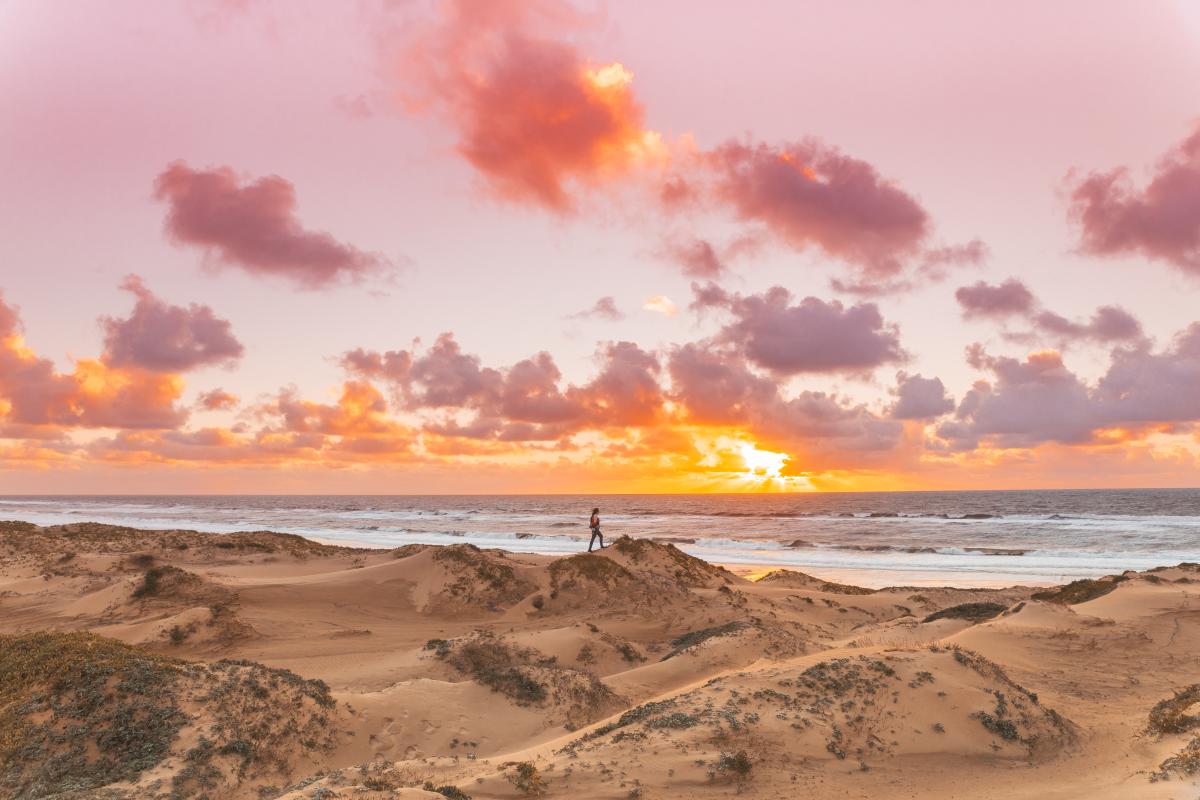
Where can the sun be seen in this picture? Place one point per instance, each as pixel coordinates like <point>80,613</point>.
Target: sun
<point>761,463</point>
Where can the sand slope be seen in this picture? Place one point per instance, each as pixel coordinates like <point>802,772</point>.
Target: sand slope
<point>637,671</point>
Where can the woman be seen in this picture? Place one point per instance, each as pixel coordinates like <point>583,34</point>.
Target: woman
<point>594,524</point>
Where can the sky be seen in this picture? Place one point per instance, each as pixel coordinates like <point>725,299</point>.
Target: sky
<point>406,246</point>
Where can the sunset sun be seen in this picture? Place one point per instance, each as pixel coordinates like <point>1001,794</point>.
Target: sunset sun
<point>762,463</point>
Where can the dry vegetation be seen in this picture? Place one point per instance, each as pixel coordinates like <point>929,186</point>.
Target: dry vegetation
<point>78,712</point>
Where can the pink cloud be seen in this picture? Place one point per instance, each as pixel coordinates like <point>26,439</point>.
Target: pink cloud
<point>1030,402</point>
<point>986,300</point>
<point>1160,220</point>
<point>445,376</point>
<point>811,336</point>
<point>715,387</point>
<point>810,195</point>
<point>1013,299</point>
<point>1142,386</point>
<point>253,226</point>
<point>604,308</point>
<point>920,398</point>
<point>697,258</point>
<point>1108,324</point>
<point>166,338</point>
<point>626,392</point>
<point>392,365</point>
<point>216,400</point>
<point>524,402</point>
<point>1040,400</point>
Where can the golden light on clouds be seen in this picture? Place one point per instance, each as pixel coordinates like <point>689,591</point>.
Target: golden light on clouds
<point>661,304</point>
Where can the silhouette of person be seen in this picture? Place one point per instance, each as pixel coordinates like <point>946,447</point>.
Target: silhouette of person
<point>594,524</point>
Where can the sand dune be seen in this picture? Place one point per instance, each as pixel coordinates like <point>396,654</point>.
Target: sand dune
<point>637,671</point>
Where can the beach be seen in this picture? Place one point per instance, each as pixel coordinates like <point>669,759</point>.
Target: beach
<point>176,663</point>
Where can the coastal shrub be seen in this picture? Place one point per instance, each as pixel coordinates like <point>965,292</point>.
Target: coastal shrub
<point>587,566</point>
<point>1185,762</point>
<point>499,667</point>
<point>440,647</point>
<point>637,714</point>
<point>449,792</point>
<point>529,677</point>
<point>1080,591</point>
<point>1170,715</point>
<point>483,577</point>
<point>735,766</point>
<point>630,653</point>
<point>78,711</point>
<point>972,612</point>
<point>1004,728</point>
<point>150,581</point>
<point>675,721</point>
<point>526,778</point>
<point>694,638</point>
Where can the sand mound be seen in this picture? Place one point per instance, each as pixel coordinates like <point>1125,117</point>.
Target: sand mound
<point>633,575</point>
<point>466,580</point>
<point>186,608</point>
<point>568,696</point>
<point>647,556</point>
<point>31,541</point>
<point>800,580</point>
<point>1081,591</point>
<point>852,708</point>
<point>79,712</point>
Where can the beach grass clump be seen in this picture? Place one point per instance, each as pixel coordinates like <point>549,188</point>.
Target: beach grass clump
<point>1171,715</point>
<point>529,677</point>
<point>1080,591</point>
<point>500,667</point>
<point>78,711</point>
<point>689,570</point>
<point>694,638</point>
<point>1186,762</point>
<point>526,778</point>
<point>159,580</point>
<point>732,766</point>
<point>1004,728</point>
<point>565,572</point>
<point>483,578</point>
<point>971,612</point>
<point>449,792</point>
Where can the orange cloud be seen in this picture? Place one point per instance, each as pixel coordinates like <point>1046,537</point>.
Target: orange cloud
<point>95,395</point>
<point>533,116</point>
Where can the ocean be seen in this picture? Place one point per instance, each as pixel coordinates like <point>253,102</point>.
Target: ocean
<point>871,539</point>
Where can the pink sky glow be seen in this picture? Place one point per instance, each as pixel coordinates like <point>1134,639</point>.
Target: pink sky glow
<point>541,245</point>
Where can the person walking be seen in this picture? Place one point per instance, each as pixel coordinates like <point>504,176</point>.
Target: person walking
<point>594,524</point>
